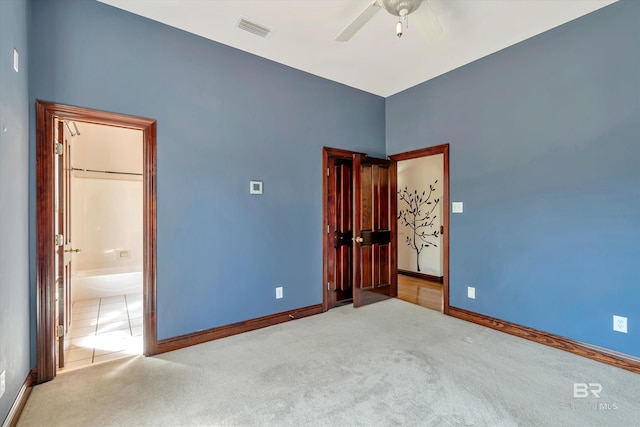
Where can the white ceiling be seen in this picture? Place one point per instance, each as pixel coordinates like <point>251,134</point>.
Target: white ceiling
<point>374,60</point>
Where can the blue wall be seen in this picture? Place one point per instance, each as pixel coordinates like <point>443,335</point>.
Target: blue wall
<point>225,117</point>
<point>14,185</point>
<point>544,152</point>
<point>545,155</point>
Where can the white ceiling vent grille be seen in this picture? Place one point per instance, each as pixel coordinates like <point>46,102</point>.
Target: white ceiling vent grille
<point>253,28</point>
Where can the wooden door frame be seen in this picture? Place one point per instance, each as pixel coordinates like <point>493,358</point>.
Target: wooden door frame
<point>430,151</point>
<point>64,225</point>
<point>46,113</point>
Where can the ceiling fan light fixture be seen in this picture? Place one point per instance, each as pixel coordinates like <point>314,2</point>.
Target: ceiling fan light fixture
<point>401,7</point>
<point>427,23</point>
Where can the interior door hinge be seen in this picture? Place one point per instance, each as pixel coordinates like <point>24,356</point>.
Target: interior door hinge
<point>59,331</point>
<point>327,171</point>
<point>59,148</point>
<point>328,286</point>
<point>59,240</point>
<point>328,229</point>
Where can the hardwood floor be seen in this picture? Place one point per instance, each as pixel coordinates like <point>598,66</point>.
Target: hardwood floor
<point>422,292</point>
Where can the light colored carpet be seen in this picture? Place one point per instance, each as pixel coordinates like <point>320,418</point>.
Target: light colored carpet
<point>392,363</point>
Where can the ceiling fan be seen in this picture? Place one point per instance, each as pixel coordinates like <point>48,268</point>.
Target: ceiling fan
<point>425,20</point>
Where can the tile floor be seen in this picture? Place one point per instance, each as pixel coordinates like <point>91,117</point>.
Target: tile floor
<point>104,329</point>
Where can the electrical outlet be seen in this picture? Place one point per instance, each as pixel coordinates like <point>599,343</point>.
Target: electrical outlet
<point>620,324</point>
<point>2,383</point>
<point>471,292</point>
<point>279,292</point>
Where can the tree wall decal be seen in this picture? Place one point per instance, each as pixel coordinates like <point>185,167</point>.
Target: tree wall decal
<point>418,215</point>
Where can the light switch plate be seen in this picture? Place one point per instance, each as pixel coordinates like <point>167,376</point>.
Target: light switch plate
<point>255,187</point>
<point>15,60</point>
<point>456,207</point>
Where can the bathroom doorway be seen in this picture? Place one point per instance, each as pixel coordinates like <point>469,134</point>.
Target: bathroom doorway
<point>96,237</point>
<point>105,197</point>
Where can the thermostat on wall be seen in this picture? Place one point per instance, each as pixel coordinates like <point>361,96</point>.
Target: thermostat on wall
<point>255,187</point>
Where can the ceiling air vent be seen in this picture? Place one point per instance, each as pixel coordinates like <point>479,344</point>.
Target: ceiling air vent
<point>253,28</point>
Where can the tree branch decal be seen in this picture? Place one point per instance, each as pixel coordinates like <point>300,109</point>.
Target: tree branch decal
<point>417,215</point>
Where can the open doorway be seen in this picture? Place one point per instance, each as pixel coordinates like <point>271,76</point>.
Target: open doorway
<point>104,197</point>
<point>423,227</point>
<point>99,242</point>
<point>345,241</point>
<point>359,238</point>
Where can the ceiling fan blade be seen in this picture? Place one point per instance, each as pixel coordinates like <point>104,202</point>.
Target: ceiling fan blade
<point>425,21</point>
<point>355,25</point>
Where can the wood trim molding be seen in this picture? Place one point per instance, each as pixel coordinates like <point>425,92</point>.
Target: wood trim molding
<point>45,229</point>
<point>429,277</point>
<point>339,152</point>
<point>430,151</point>
<point>576,347</point>
<point>46,113</point>
<point>200,337</point>
<point>446,222</point>
<point>422,152</point>
<point>393,227</point>
<point>21,400</point>
<point>150,333</point>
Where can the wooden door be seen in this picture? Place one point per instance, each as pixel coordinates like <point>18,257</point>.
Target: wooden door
<point>63,247</point>
<point>339,227</point>
<point>374,230</point>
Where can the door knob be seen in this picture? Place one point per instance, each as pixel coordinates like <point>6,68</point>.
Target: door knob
<point>72,250</point>
<point>358,239</point>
